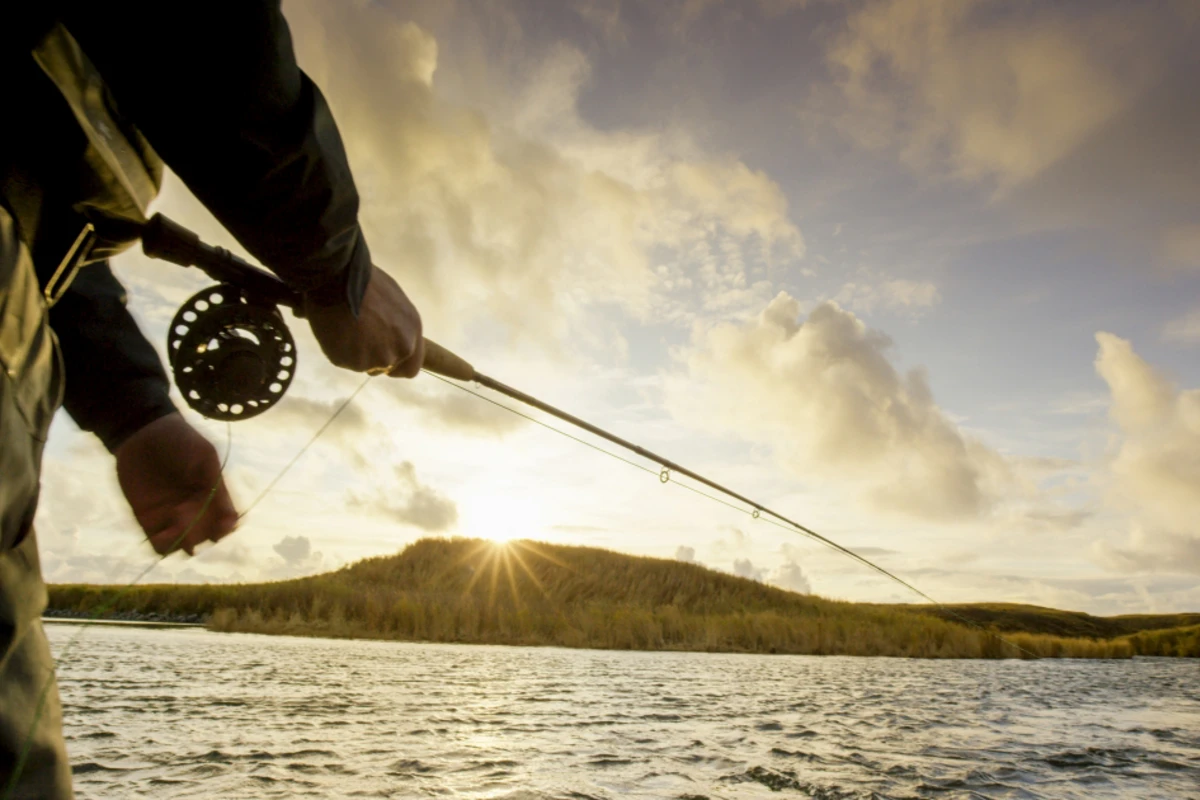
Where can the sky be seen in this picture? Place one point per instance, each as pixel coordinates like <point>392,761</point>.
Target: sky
<point>924,276</point>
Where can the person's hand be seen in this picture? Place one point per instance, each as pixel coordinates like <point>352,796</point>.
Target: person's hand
<point>167,471</point>
<point>386,337</point>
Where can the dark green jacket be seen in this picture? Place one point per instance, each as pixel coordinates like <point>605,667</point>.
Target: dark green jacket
<point>215,90</point>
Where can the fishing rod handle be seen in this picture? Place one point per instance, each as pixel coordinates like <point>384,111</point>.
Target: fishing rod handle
<point>166,239</point>
<point>441,361</point>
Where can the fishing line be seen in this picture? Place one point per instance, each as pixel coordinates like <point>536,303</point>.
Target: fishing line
<point>345,404</point>
<point>783,523</point>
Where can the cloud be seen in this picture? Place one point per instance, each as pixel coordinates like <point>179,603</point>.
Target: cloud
<point>824,395</point>
<point>612,22</point>
<point>1056,520</point>
<point>1155,467</point>
<point>410,502</point>
<point>604,16</point>
<point>1078,116</point>
<point>456,410</point>
<point>229,553</point>
<point>737,542</point>
<point>294,550</point>
<point>911,297</point>
<point>998,94</point>
<point>1185,329</point>
<point>296,558</point>
<point>790,576</point>
<point>1145,552</point>
<point>744,568</point>
<point>310,415</point>
<point>503,199</point>
<point>685,554</point>
<point>438,405</point>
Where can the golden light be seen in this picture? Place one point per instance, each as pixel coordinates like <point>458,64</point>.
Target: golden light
<point>500,514</point>
<point>502,565</point>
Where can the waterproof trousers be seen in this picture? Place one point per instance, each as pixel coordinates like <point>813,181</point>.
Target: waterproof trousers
<point>33,759</point>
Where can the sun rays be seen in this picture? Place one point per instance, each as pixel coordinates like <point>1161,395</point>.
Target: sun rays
<point>505,561</point>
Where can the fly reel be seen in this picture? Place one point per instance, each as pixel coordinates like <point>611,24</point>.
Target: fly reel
<point>232,357</point>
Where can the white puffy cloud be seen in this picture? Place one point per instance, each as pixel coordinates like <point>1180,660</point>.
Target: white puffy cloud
<point>293,550</point>
<point>1155,466</point>
<point>296,558</point>
<point>685,554</point>
<point>825,396</point>
<point>744,568</point>
<point>790,576</point>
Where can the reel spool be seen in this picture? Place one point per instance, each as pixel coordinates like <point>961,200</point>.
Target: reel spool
<point>232,357</point>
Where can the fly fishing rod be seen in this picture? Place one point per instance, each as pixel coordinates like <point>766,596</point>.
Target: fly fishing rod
<point>233,358</point>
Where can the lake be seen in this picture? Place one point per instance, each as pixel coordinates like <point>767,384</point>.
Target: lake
<point>189,713</point>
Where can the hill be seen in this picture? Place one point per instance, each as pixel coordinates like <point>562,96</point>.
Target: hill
<point>1037,619</point>
<point>527,593</point>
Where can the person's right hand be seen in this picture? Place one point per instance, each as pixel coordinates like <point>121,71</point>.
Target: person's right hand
<point>384,339</point>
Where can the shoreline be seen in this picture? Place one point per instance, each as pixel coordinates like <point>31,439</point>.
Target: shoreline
<point>126,618</point>
<point>151,620</point>
<point>330,636</point>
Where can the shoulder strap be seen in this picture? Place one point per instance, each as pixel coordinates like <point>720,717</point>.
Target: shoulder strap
<point>128,170</point>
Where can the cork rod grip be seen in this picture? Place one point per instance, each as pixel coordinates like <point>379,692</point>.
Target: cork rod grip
<point>441,361</point>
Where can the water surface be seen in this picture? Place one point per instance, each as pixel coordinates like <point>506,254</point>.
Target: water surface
<point>188,713</point>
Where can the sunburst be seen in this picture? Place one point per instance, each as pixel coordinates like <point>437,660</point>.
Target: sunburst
<point>500,561</point>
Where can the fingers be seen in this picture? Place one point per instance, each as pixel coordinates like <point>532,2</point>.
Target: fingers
<point>409,367</point>
<point>187,527</point>
<point>383,338</point>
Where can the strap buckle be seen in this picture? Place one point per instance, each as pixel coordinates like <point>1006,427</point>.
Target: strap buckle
<point>68,268</point>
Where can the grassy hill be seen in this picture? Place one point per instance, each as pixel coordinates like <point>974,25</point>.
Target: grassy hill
<point>527,593</point>
<point>1037,619</point>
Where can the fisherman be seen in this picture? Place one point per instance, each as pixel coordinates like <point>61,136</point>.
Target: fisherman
<point>95,93</point>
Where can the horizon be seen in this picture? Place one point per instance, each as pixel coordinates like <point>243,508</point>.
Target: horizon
<point>935,294</point>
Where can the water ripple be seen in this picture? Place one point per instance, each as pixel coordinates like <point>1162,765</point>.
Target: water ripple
<point>190,714</point>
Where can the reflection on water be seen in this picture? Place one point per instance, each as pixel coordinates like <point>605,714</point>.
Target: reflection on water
<point>187,713</point>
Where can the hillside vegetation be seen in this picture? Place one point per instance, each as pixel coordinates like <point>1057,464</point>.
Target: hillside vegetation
<point>527,593</point>
<point>1036,619</point>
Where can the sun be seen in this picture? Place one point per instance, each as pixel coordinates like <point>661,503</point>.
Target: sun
<point>500,516</point>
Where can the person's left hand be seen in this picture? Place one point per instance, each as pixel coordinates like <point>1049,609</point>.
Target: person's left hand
<point>167,471</point>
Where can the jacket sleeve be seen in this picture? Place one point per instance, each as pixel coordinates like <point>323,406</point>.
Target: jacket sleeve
<point>216,90</point>
<point>115,381</point>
